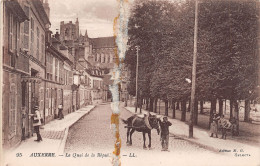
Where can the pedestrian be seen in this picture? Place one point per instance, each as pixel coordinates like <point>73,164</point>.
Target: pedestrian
<point>223,126</point>
<point>214,126</point>
<point>165,133</point>
<point>37,123</point>
<point>60,113</point>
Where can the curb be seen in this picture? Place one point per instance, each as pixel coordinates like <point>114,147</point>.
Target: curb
<point>190,140</point>
<point>64,139</point>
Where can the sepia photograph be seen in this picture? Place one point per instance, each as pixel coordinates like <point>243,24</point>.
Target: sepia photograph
<point>130,82</point>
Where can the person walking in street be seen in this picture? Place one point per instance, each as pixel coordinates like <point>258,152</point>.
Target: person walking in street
<point>60,113</point>
<point>37,123</point>
<point>214,126</point>
<point>165,133</point>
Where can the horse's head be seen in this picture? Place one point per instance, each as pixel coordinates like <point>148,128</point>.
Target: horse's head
<point>154,122</point>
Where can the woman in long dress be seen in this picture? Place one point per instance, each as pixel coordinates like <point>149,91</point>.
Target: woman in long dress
<point>214,126</point>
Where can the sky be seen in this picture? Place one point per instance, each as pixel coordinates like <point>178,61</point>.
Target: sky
<point>95,16</point>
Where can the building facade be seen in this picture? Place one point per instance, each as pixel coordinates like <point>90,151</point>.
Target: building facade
<point>25,24</point>
<point>59,78</point>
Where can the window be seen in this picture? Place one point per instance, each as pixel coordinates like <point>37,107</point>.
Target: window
<point>17,38</point>
<point>66,32</point>
<point>56,69</point>
<point>38,44</point>
<point>108,58</point>
<point>43,48</point>
<point>10,31</point>
<point>26,29</point>
<point>99,58</point>
<point>32,37</point>
<point>13,37</point>
<point>26,35</point>
<point>103,58</point>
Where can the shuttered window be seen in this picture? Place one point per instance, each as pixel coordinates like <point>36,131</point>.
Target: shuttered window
<point>38,56</point>
<point>10,31</point>
<point>32,38</point>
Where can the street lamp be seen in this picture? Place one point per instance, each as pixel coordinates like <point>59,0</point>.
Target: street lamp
<point>194,71</point>
<point>136,83</point>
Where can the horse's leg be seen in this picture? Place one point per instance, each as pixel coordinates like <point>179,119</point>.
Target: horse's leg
<point>128,132</point>
<point>144,140</point>
<point>149,136</point>
<point>131,132</point>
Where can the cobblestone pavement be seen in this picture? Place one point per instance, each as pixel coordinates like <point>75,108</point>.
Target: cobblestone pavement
<point>92,134</point>
<point>53,134</point>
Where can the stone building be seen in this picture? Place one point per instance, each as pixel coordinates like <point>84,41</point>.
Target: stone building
<point>59,78</point>
<point>25,24</point>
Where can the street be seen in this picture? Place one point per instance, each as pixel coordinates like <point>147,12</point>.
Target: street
<point>92,134</point>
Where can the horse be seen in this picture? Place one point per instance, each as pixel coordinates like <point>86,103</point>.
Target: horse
<point>144,125</point>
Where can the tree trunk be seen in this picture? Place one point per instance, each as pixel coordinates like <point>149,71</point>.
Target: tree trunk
<point>201,107</point>
<point>231,109</point>
<point>151,105</point>
<point>183,110</point>
<point>212,110</point>
<point>220,107</point>
<point>236,117</point>
<point>141,104</point>
<point>189,107</point>
<point>147,103</point>
<point>166,107</point>
<point>159,106</point>
<point>155,105</point>
<point>178,106</point>
<point>196,104</point>
<point>247,111</point>
<point>173,109</point>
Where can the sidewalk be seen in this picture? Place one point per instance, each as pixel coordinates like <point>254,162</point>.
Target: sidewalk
<point>54,135</point>
<point>202,138</point>
<point>249,133</point>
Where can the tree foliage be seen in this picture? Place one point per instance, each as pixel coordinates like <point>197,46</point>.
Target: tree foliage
<point>227,43</point>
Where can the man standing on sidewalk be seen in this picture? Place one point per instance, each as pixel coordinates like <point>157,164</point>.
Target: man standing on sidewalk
<point>165,133</point>
<point>37,123</point>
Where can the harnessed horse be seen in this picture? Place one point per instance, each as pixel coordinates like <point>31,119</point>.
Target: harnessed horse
<point>144,125</point>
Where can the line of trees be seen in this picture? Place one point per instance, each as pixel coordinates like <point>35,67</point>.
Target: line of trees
<point>228,57</point>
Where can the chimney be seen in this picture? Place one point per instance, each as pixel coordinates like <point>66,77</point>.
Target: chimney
<point>46,8</point>
<point>57,36</point>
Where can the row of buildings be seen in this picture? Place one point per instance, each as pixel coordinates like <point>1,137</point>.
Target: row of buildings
<point>45,69</point>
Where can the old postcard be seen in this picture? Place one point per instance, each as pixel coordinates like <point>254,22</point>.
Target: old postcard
<point>130,82</point>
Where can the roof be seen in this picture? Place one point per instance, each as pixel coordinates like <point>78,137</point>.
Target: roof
<point>17,10</point>
<point>103,42</point>
<point>40,9</point>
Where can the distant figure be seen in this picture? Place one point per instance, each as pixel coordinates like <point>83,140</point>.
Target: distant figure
<point>214,126</point>
<point>223,126</point>
<point>165,133</point>
<point>36,123</point>
<point>60,113</point>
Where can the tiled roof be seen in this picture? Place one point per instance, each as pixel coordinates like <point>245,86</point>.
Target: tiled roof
<point>103,42</point>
